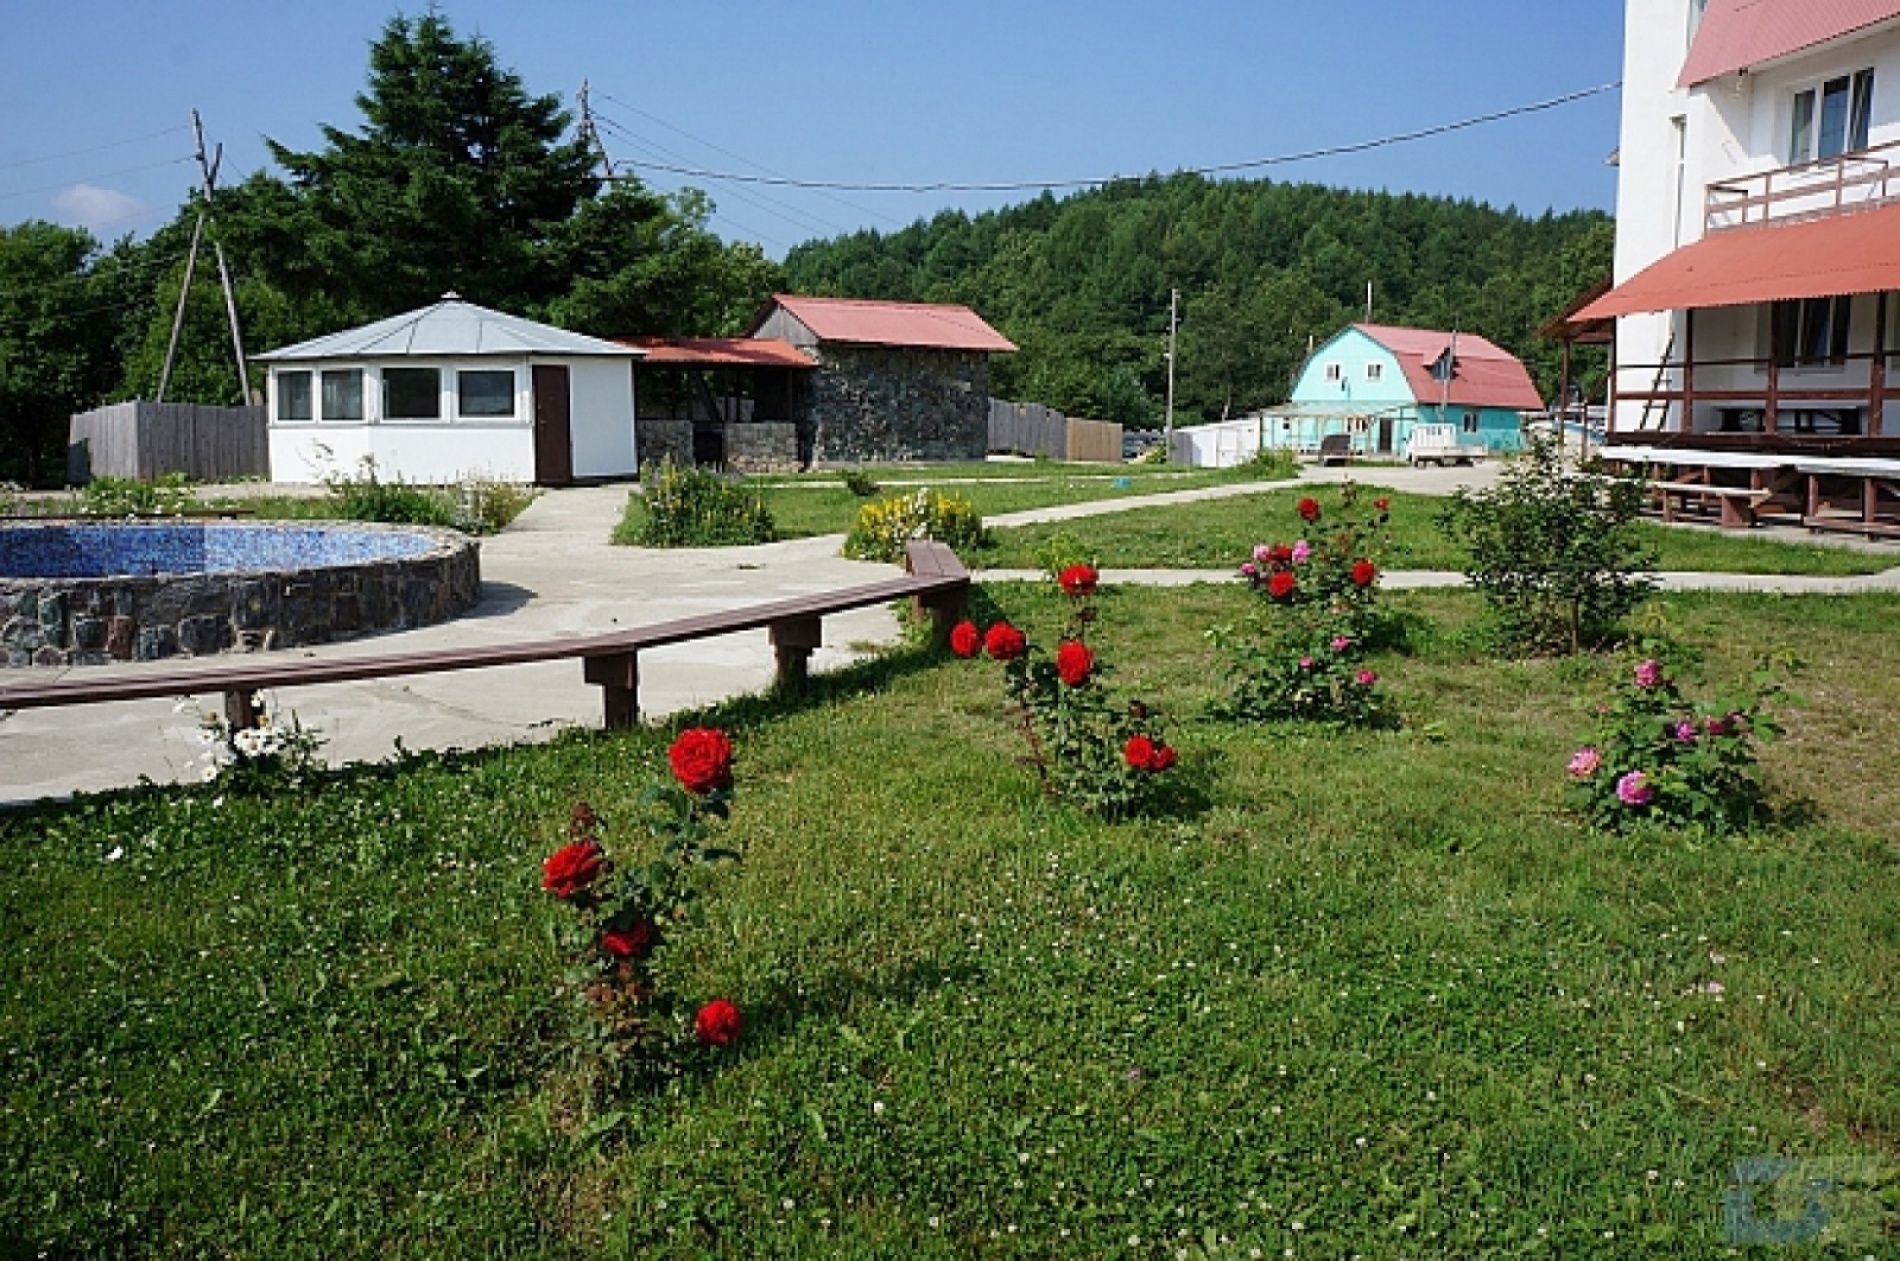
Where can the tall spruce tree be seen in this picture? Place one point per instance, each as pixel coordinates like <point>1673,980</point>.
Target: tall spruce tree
<point>459,178</point>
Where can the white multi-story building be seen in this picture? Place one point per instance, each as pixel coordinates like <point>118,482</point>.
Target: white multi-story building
<point>1757,255</point>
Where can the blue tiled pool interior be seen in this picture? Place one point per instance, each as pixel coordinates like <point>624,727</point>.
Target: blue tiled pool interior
<point>68,550</point>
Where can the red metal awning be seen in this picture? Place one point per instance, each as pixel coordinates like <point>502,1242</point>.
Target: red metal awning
<point>718,352</point>
<point>1737,34</point>
<point>1854,252</point>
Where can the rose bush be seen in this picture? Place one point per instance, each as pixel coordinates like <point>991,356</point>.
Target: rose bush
<point>627,916</point>
<point>1658,757</point>
<point>1302,658</point>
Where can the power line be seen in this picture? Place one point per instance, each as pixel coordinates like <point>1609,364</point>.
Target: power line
<point>802,220</point>
<point>1220,168</point>
<point>98,148</point>
<point>82,179</point>
<point>757,166</point>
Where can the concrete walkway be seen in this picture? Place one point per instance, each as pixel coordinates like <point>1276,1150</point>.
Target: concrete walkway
<point>553,572</point>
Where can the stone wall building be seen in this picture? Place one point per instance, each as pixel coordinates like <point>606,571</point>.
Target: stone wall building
<point>895,380</point>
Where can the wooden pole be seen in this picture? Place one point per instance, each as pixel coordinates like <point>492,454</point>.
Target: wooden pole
<point>208,175</point>
<point>1877,371</point>
<point>178,316</point>
<point>1688,370</point>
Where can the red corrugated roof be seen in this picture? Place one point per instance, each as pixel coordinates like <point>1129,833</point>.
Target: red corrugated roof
<point>936,325</point>
<point>1484,374</point>
<point>1738,33</point>
<point>719,352</point>
<point>1855,252</point>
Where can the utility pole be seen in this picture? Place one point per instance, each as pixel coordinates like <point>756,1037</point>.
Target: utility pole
<point>590,133</point>
<point>1174,306</point>
<point>1368,302</point>
<point>208,181</point>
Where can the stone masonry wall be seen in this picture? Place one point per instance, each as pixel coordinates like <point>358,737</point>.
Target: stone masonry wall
<point>89,621</point>
<point>665,439</point>
<point>762,446</point>
<point>869,404</point>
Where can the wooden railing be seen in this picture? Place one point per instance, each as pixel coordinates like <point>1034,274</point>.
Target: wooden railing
<point>1864,178</point>
<point>1870,404</point>
<point>936,582</point>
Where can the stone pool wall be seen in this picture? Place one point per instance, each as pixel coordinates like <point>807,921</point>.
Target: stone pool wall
<point>94,620</point>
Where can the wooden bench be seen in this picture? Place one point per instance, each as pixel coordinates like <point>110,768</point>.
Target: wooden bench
<point>1335,448</point>
<point>1737,503</point>
<point>936,583</point>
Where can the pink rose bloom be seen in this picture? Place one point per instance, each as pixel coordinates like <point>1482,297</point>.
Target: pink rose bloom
<point>1634,790</point>
<point>1585,762</point>
<point>1341,642</point>
<point>1366,678</point>
<point>1649,673</point>
<point>1306,663</point>
<point>1685,732</point>
<point>1262,553</point>
<point>1715,726</point>
<point>1301,550</point>
<point>1248,569</point>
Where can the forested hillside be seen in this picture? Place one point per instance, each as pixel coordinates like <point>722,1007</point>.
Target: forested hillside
<point>1081,283</point>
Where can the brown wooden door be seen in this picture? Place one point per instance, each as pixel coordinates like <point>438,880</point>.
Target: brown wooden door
<point>553,443</point>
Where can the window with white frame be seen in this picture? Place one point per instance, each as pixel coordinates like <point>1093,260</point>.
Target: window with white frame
<point>1374,371</point>
<point>412,394</point>
<point>1831,118</point>
<point>1811,332</point>
<point>485,393</point>
<point>1471,421</point>
<point>1332,372</point>
<point>342,394</point>
<point>293,395</point>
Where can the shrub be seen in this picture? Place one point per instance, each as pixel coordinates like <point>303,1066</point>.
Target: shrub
<point>627,915</point>
<point>483,506</point>
<point>277,752</point>
<point>1273,464</point>
<point>1553,553</point>
<point>9,498</point>
<point>859,483</point>
<point>1304,657</point>
<point>687,506</point>
<point>1657,756</point>
<point>883,527</point>
<point>167,496</point>
<point>367,497</point>
<point>1088,747</point>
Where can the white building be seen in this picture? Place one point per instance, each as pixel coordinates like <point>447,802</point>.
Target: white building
<point>1757,250</point>
<point>451,390</point>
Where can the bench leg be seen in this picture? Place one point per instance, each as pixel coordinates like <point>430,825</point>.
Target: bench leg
<point>618,677</point>
<point>240,709</point>
<point>944,610</point>
<point>793,643</point>
<point>1736,516</point>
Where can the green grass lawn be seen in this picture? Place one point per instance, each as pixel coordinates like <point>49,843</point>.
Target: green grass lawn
<point>1219,534</point>
<point>1368,993</point>
<point>818,503</point>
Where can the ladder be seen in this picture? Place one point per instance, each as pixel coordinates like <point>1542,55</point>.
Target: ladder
<point>1655,387</point>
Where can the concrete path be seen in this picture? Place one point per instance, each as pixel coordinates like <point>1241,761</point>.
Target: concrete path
<point>554,573</point>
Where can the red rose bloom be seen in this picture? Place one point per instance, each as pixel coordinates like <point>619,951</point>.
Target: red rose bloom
<point>636,942</point>
<point>1078,580</point>
<point>1382,504</point>
<point>1144,754</point>
<point>1279,556</point>
<point>1004,642</point>
<point>1363,572</point>
<point>1074,661</point>
<point>718,1023</point>
<point>1309,509</point>
<point>571,868</point>
<point>701,759</point>
<point>1163,759</point>
<point>1281,585</point>
<point>965,639</point>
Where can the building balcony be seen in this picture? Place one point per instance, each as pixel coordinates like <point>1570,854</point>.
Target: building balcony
<point>1853,181</point>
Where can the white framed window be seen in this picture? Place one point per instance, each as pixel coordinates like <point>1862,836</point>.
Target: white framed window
<point>1355,424</point>
<point>342,394</point>
<point>293,395</point>
<point>1811,332</point>
<point>485,393</point>
<point>1471,421</point>
<point>1374,371</point>
<point>1332,372</point>
<point>412,394</point>
<point>1831,117</point>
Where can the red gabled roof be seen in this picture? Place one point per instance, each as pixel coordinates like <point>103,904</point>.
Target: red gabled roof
<point>1483,375</point>
<point>933,325</point>
<point>718,352</point>
<point>1736,34</point>
<point>1855,252</point>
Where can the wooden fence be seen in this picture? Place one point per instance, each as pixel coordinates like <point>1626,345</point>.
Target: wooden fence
<point>1032,429</point>
<point>147,440</point>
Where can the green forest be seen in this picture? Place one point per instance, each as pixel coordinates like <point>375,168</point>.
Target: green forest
<point>457,176</point>
<point>1082,283</point>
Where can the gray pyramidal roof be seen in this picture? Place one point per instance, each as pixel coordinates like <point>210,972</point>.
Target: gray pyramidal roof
<point>450,327</point>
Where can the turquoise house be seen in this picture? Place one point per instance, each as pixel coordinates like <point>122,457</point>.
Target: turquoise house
<point>1374,382</point>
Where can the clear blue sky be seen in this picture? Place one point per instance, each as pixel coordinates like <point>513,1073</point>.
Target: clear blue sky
<point>867,91</point>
